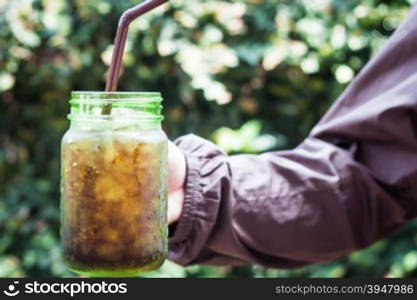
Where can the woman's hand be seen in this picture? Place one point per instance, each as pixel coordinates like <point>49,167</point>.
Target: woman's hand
<point>176,179</point>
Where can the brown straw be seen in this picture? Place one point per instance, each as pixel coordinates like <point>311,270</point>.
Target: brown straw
<point>119,45</point>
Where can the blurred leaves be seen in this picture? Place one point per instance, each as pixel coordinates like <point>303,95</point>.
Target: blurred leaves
<point>247,139</point>
<point>251,75</point>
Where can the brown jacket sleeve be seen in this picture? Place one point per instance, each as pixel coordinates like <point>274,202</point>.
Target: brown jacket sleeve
<point>351,182</point>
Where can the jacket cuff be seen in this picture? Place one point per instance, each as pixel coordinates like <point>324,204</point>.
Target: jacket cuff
<point>202,198</point>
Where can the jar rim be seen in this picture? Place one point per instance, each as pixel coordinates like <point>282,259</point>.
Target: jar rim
<point>126,106</point>
<point>115,96</point>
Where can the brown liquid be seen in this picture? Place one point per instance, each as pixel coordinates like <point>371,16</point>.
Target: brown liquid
<point>115,208</point>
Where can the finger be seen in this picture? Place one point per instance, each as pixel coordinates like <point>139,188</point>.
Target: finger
<point>175,204</point>
<point>176,168</point>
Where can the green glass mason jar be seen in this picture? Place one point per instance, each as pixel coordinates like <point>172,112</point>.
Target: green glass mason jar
<point>114,184</point>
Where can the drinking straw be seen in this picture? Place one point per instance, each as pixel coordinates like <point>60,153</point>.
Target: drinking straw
<point>122,29</point>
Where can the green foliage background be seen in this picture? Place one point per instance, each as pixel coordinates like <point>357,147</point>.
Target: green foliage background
<point>251,75</point>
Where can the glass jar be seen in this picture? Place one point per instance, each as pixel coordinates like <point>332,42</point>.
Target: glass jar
<point>114,184</point>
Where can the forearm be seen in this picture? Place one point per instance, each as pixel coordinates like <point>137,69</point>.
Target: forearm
<point>282,209</point>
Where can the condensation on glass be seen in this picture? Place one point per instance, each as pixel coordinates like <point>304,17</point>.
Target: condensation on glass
<point>114,185</point>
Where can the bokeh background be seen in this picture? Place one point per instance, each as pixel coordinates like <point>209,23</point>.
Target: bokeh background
<point>250,75</point>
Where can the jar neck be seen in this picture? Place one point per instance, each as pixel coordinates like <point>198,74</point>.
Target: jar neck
<point>123,110</point>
